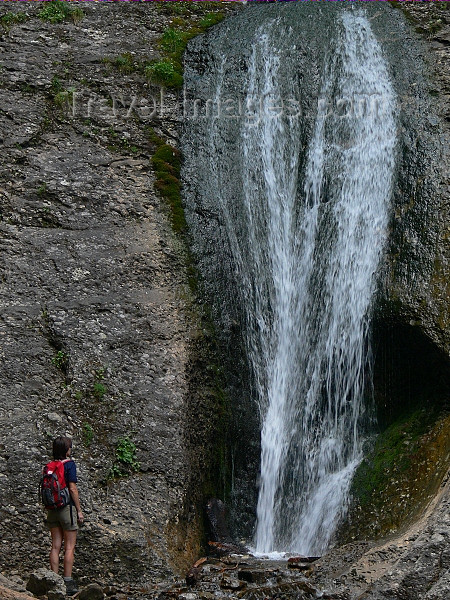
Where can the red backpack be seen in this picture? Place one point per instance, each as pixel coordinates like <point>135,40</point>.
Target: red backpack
<point>54,492</point>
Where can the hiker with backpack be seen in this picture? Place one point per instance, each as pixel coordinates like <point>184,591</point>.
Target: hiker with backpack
<point>60,497</point>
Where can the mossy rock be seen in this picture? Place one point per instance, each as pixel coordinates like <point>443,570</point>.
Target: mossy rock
<point>400,475</point>
<point>169,155</point>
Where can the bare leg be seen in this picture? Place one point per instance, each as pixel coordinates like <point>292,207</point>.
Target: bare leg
<point>57,538</point>
<point>70,539</point>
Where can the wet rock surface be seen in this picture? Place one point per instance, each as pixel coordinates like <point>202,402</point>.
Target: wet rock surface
<point>243,576</point>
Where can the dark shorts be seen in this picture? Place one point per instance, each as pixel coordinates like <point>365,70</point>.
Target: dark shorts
<point>66,518</point>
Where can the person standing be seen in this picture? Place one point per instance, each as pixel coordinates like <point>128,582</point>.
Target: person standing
<point>63,522</point>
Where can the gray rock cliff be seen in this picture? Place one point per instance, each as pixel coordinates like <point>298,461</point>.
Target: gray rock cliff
<point>98,325</point>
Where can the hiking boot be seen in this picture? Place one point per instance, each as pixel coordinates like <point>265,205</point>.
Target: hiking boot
<point>71,586</point>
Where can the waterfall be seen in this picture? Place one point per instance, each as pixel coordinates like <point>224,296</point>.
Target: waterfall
<point>320,282</point>
<point>306,236</point>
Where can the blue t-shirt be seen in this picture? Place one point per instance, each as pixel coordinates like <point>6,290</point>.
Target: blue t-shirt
<point>70,472</point>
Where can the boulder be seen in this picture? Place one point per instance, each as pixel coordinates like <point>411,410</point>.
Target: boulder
<point>94,591</point>
<point>42,581</point>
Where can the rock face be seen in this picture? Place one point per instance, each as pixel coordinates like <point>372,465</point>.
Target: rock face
<point>98,325</point>
<point>414,314</point>
<point>420,265</point>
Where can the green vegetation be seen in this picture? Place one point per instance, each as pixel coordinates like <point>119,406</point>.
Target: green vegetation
<point>186,8</point>
<point>87,434</point>
<point>125,62</point>
<point>427,24</point>
<point>64,97</point>
<point>169,70</point>
<point>173,40</point>
<point>120,144</point>
<point>100,373</point>
<point>60,95</point>
<point>58,11</point>
<point>99,390</point>
<point>9,19</point>
<point>61,360</point>
<point>211,19</point>
<point>42,190</point>
<point>401,473</point>
<point>167,162</point>
<point>125,462</point>
<point>165,72</point>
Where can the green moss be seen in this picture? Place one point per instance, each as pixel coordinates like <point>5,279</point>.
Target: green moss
<point>211,19</point>
<point>168,154</point>
<point>166,162</point>
<point>169,70</point>
<point>173,40</point>
<point>401,473</point>
<point>154,138</point>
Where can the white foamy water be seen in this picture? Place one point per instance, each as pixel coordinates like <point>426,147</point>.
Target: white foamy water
<point>306,228</point>
<point>311,258</point>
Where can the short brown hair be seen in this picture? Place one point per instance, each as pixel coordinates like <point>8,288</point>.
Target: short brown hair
<point>60,447</point>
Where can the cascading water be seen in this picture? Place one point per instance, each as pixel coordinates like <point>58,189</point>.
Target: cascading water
<point>306,240</point>
<point>321,281</point>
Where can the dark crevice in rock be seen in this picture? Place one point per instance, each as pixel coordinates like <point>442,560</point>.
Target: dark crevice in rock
<point>410,372</point>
